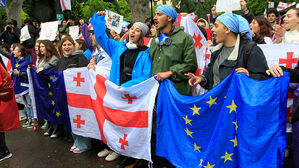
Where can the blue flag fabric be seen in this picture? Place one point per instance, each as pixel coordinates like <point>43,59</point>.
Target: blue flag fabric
<point>50,96</point>
<point>239,123</point>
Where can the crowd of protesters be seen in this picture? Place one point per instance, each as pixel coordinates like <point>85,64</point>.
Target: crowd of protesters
<point>125,60</point>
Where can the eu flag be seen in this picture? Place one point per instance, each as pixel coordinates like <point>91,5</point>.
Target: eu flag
<point>50,96</point>
<point>239,123</point>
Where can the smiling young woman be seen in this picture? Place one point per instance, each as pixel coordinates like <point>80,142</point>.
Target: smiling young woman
<point>70,57</point>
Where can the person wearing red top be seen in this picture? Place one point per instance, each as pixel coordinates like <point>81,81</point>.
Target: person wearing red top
<point>9,114</point>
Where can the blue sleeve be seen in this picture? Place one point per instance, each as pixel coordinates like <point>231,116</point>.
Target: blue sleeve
<point>87,54</point>
<point>109,45</point>
<point>146,71</point>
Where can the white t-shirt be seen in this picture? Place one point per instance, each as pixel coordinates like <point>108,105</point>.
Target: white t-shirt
<point>291,37</point>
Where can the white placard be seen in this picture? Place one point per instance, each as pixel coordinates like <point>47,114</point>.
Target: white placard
<point>228,6</point>
<point>74,32</point>
<point>25,34</point>
<point>48,30</point>
<point>114,21</point>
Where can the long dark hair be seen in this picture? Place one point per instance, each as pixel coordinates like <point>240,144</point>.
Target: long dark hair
<point>22,49</point>
<point>265,27</point>
<point>51,50</point>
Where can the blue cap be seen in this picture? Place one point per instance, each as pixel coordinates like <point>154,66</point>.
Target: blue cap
<point>236,24</point>
<point>169,11</point>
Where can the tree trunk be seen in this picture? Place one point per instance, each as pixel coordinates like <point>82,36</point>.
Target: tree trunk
<point>14,10</point>
<point>139,9</point>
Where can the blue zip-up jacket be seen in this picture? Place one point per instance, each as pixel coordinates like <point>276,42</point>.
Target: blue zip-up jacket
<point>142,67</point>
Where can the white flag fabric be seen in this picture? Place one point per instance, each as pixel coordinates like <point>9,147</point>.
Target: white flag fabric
<point>48,31</point>
<point>119,117</point>
<point>282,5</point>
<point>25,34</point>
<point>286,55</point>
<point>65,5</point>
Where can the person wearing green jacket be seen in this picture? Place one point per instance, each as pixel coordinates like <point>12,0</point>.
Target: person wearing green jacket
<point>173,59</point>
<point>172,54</point>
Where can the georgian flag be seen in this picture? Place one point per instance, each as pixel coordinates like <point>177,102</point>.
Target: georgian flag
<point>282,5</point>
<point>65,5</point>
<point>286,55</point>
<point>120,117</point>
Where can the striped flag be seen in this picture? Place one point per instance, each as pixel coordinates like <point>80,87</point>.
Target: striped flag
<point>282,5</point>
<point>65,5</point>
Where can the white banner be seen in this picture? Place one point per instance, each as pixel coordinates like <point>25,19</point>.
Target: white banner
<point>228,6</point>
<point>25,34</point>
<point>114,21</point>
<point>48,30</point>
<point>74,32</point>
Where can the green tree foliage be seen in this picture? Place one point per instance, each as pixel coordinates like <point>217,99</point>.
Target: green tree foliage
<point>90,6</point>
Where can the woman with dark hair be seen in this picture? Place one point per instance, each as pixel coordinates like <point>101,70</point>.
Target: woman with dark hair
<point>48,55</point>
<point>261,30</point>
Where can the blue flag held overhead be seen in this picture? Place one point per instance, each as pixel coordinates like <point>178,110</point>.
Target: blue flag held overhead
<point>239,123</point>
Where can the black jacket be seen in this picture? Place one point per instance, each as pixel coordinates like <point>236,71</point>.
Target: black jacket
<point>256,65</point>
<point>9,37</point>
<point>76,60</point>
<point>294,78</point>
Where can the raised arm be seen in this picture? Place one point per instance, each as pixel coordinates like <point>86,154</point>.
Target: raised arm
<point>109,45</point>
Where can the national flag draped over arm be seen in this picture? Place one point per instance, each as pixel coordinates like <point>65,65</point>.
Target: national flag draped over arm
<point>239,123</point>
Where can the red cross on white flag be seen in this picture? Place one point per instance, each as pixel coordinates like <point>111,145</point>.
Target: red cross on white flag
<point>119,117</point>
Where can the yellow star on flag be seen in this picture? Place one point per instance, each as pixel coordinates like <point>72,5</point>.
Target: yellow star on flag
<point>51,77</point>
<point>49,85</point>
<point>196,148</point>
<point>236,124</point>
<point>209,166</point>
<point>50,94</point>
<point>21,58</point>
<point>232,107</point>
<point>53,102</point>
<point>189,133</point>
<point>227,157</point>
<point>17,65</point>
<point>195,110</point>
<point>211,101</point>
<point>58,114</point>
<point>235,141</point>
<point>187,121</point>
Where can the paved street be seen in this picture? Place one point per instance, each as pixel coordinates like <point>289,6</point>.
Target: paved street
<point>34,150</point>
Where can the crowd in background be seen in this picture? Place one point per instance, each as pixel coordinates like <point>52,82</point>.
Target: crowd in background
<point>95,52</point>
